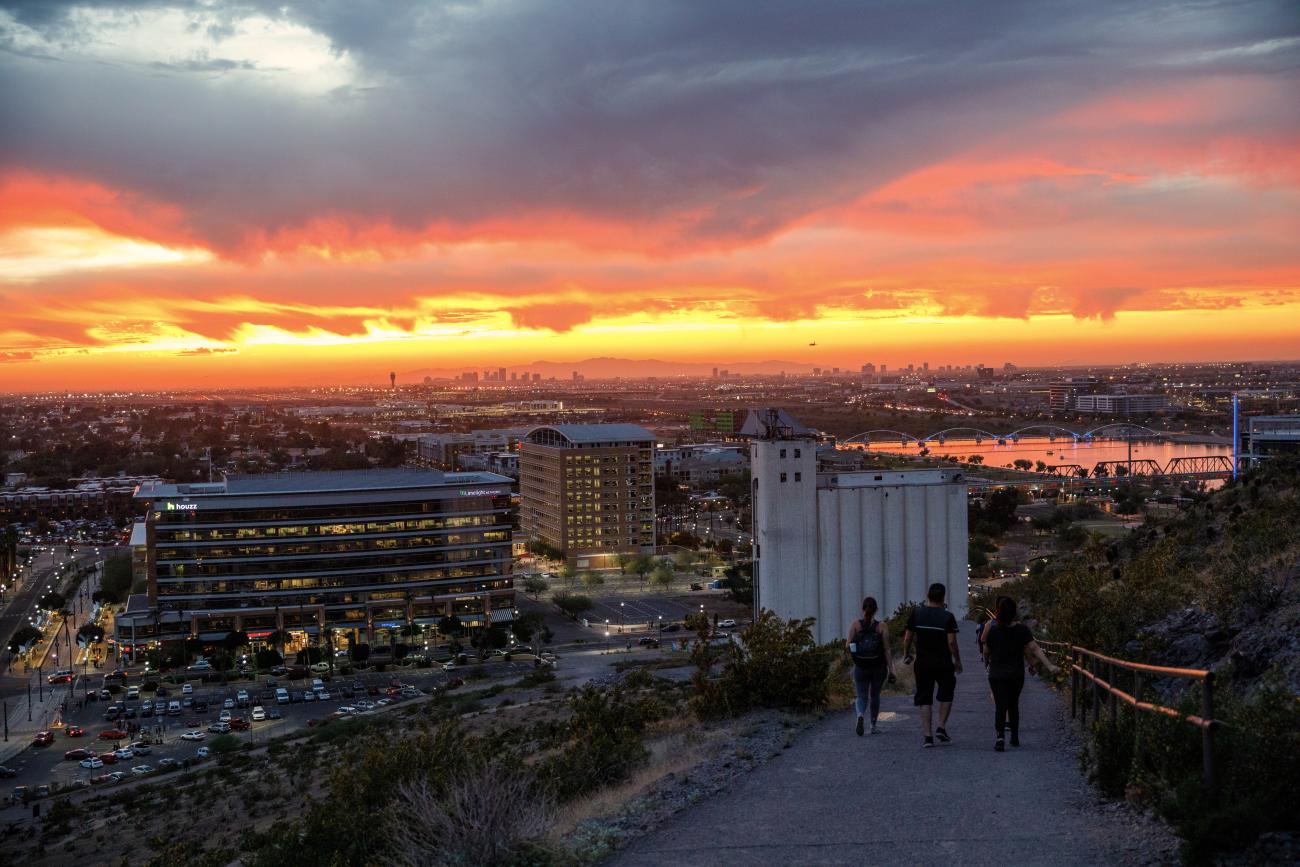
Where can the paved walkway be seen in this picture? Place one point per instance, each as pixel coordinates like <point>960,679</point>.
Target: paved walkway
<point>835,798</point>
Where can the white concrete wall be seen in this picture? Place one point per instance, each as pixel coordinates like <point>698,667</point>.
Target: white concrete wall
<point>887,535</point>
<point>785,527</point>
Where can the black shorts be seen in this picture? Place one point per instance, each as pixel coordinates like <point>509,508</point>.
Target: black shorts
<point>932,673</point>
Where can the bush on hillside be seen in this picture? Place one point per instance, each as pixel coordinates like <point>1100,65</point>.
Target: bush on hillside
<point>775,664</point>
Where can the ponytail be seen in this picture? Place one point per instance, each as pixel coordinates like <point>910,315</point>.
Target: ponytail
<point>869,609</point>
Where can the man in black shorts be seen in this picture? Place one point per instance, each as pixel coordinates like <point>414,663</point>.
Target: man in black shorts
<point>938,662</point>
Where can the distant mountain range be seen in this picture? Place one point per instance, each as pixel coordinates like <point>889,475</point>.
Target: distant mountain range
<point>611,368</point>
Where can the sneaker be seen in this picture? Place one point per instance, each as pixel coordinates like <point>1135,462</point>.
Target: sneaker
<point>999,746</point>
<point>875,729</point>
<point>859,726</point>
<point>943,736</point>
<point>1015,739</point>
<point>927,743</point>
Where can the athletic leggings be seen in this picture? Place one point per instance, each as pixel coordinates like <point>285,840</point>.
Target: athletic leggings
<point>1006,703</point>
<point>867,680</point>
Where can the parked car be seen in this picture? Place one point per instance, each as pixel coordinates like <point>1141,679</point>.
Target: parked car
<point>108,758</point>
<point>141,770</point>
<point>322,694</point>
<point>274,713</point>
<point>116,777</point>
<point>112,735</point>
<point>309,696</point>
<point>346,710</point>
<point>164,764</point>
<point>259,713</point>
<point>78,754</point>
<point>43,739</point>
<point>132,693</point>
<point>193,736</point>
<point>187,689</point>
<point>203,753</point>
<point>124,753</point>
<point>224,716</point>
<point>241,698</point>
<point>219,728</point>
<point>320,667</point>
<point>727,624</point>
<point>92,763</point>
<point>228,704</point>
<point>199,705</point>
<point>7,773</point>
<point>647,641</point>
<point>140,748</point>
<point>279,671</point>
<point>240,724</point>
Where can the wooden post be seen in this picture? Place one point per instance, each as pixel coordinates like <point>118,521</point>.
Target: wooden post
<point>1074,687</point>
<point>1096,694</point>
<point>1207,733</point>
<point>1083,682</point>
<point>1114,699</point>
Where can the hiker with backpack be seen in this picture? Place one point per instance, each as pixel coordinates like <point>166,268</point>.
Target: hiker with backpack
<point>872,662</point>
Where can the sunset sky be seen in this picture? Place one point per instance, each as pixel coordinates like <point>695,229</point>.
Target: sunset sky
<point>209,194</point>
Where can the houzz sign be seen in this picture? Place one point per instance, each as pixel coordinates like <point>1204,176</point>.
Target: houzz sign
<point>182,507</point>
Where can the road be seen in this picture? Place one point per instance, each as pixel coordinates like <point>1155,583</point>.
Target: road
<point>835,798</point>
<point>21,605</point>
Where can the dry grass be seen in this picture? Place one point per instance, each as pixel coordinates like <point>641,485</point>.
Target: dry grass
<point>676,745</point>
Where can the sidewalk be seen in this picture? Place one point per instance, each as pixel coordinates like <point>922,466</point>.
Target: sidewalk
<point>835,798</point>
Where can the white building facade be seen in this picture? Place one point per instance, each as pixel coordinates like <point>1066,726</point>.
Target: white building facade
<point>823,542</point>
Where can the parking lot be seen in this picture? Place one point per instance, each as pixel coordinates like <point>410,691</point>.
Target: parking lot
<point>46,765</point>
<point>642,611</point>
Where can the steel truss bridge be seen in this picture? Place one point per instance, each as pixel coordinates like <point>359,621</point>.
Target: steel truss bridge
<point>1052,432</point>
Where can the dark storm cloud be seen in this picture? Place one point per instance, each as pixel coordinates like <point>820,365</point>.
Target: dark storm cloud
<point>714,123</point>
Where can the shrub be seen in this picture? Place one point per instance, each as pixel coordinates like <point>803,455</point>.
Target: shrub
<point>776,664</point>
<point>602,743</point>
<point>223,744</point>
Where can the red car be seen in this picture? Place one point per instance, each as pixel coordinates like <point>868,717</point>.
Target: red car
<point>43,739</point>
<point>74,731</point>
<point>239,724</point>
<point>108,759</point>
<point>77,754</point>
<point>59,678</point>
<point>113,735</point>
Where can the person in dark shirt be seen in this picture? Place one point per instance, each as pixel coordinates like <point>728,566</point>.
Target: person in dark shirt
<point>1007,642</point>
<point>938,662</point>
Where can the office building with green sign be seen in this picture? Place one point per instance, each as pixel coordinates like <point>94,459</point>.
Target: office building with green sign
<point>334,558</point>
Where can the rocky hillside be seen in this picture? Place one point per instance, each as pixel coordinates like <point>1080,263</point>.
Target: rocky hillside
<point>1218,587</point>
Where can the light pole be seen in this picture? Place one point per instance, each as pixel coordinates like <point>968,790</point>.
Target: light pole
<point>622,617</point>
<point>606,640</point>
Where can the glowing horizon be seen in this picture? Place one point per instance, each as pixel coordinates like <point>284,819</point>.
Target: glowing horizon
<point>258,204</point>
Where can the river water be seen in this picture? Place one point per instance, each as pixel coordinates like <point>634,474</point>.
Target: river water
<point>1085,453</point>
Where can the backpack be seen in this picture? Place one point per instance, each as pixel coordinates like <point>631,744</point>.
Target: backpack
<point>869,648</point>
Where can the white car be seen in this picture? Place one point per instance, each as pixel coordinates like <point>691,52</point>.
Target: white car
<point>365,704</point>
<point>323,694</point>
<point>187,689</point>
<point>259,713</point>
<point>92,763</point>
<point>320,667</point>
<point>193,736</point>
<point>449,666</point>
<point>727,624</point>
<point>224,716</point>
<point>346,710</point>
<point>141,770</point>
<point>309,696</point>
<point>242,695</point>
<point>229,704</point>
<point>203,753</point>
<point>124,753</point>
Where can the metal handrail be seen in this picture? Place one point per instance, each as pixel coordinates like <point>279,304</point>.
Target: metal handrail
<point>1085,665</point>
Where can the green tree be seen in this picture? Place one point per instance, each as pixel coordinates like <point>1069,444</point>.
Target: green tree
<point>52,601</point>
<point>535,585</point>
<point>663,576</point>
<point>572,604</point>
<point>643,565</point>
<point>592,579</point>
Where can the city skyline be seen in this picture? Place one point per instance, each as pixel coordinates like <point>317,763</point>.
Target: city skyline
<point>240,194</point>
